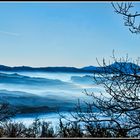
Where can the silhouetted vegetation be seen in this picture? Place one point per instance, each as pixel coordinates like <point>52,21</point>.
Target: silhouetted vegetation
<point>130,18</point>
<point>41,129</point>
<point>6,111</point>
<point>115,111</point>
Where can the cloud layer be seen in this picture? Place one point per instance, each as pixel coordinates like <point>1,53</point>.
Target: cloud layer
<point>9,33</point>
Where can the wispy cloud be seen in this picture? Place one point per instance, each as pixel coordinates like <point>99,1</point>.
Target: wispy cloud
<point>9,33</point>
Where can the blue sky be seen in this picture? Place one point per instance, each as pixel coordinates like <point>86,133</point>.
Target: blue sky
<point>62,34</point>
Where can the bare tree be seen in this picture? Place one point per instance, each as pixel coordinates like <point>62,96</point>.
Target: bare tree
<point>11,129</point>
<point>117,109</point>
<point>6,111</point>
<point>130,18</point>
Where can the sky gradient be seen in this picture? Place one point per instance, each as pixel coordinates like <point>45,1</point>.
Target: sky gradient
<point>63,34</point>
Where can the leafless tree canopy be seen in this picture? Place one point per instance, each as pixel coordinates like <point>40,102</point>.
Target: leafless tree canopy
<point>118,108</point>
<point>6,111</point>
<point>130,18</point>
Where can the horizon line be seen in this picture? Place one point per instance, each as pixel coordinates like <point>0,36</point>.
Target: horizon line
<point>47,66</point>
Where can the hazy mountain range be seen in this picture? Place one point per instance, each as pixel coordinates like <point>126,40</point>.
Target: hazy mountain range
<point>88,69</point>
<point>40,92</point>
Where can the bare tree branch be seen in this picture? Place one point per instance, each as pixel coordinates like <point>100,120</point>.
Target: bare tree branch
<point>129,18</point>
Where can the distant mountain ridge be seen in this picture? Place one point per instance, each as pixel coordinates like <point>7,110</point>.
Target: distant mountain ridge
<point>127,67</point>
<point>42,69</point>
<point>88,69</point>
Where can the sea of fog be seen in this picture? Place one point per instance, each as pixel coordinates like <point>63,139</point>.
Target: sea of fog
<point>42,94</point>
